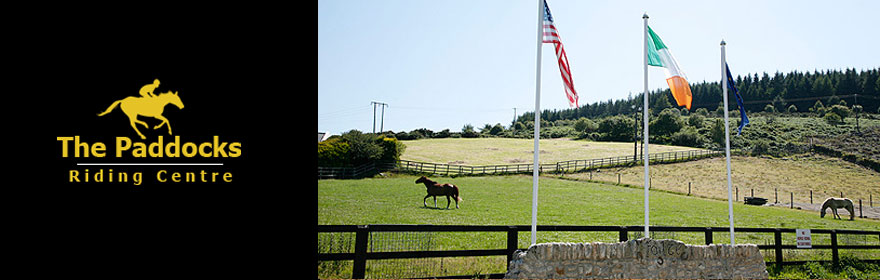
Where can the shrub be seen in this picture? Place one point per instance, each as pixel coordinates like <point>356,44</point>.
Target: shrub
<point>696,120</point>
<point>333,152</point>
<point>616,128</point>
<point>405,136</point>
<point>468,132</point>
<point>391,148</point>
<point>558,132</point>
<point>717,132</point>
<point>497,129</point>
<point>585,125</point>
<point>719,111</point>
<point>817,106</point>
<point>486,128</point>
<point>841,111</point>
<point>687,136</point>
<point>362,147</point>
<point>833,118</point>
<point>423,133</point>
<point>355,148</point>
<point>442,134</point>
<point>760,147</point>
<point>668,122</point>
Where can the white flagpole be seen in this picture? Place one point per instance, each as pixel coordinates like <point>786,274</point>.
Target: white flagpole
<point>645,115</point>
<point>537,122</point>
<point>727,139</point>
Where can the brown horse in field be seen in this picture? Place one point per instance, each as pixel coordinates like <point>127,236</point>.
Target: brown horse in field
<point>435,189</point>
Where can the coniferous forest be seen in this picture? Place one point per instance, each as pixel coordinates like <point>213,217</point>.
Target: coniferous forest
<point>801,89</point>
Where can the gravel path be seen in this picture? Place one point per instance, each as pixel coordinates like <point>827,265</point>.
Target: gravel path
<point>869,212</point>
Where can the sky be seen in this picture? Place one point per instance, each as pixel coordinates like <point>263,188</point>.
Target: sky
<point>444,64</point>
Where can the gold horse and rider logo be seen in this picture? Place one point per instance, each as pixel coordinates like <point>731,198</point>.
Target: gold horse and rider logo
<point>149,105</point>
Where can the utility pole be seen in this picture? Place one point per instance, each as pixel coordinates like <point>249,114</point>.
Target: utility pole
<point>513,123</point>
<point>859,129</point>
<point>382,125</point>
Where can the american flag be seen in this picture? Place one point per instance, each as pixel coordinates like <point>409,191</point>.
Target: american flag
<point>552,36</point>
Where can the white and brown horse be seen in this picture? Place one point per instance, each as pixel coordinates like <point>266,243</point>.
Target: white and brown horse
<point>835,203</point>
<point>434,189</point>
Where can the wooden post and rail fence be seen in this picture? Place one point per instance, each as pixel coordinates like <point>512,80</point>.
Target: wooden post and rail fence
<point>362,251</point>
<point>568,166</point>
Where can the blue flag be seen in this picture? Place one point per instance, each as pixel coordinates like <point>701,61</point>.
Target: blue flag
<point>743,119</point>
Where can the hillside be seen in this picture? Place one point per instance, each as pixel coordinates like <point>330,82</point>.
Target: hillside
<point>825,176</point>
<point>865,143</point>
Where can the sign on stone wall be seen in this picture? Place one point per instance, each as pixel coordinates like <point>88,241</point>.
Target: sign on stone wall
<point>641,258</point>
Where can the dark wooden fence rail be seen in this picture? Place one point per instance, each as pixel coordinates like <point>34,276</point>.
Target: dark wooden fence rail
<point>362,234</point>
<point>365,170</point>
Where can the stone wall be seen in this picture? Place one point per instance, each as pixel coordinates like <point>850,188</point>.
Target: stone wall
<point>642,258</point>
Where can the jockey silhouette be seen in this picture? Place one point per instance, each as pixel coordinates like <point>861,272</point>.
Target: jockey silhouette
<point>147,90</point>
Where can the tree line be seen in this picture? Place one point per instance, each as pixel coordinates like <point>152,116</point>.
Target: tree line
<point>801,89</point>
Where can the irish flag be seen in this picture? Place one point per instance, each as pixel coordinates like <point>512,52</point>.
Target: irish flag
<point>659,55</point>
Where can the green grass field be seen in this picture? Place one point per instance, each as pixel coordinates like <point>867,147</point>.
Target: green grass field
<point>492,151</point>
<point>507,201</point>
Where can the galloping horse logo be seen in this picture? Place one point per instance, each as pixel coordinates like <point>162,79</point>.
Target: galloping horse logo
<point>148,105</point>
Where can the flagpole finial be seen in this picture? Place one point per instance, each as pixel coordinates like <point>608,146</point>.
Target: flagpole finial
<point>645,16</point>
<point>723,42</point>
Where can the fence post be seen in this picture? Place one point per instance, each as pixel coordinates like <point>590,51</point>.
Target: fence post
<point>860,209</point>
<point>689,188</point>
<point>776,195</point>
<point>791,196</point>
<point>618,178</point>
<point>834,257</point>
<point>777,246</point>
<point>622,234</point>
<point>811,196</point>
<point>512,242</point>
<point>359,268</point>
<point>709,236</point>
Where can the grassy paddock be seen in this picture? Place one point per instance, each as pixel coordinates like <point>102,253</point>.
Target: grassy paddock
<point>492,151</point>
<point>825,176</point>
<point>507,201</point>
